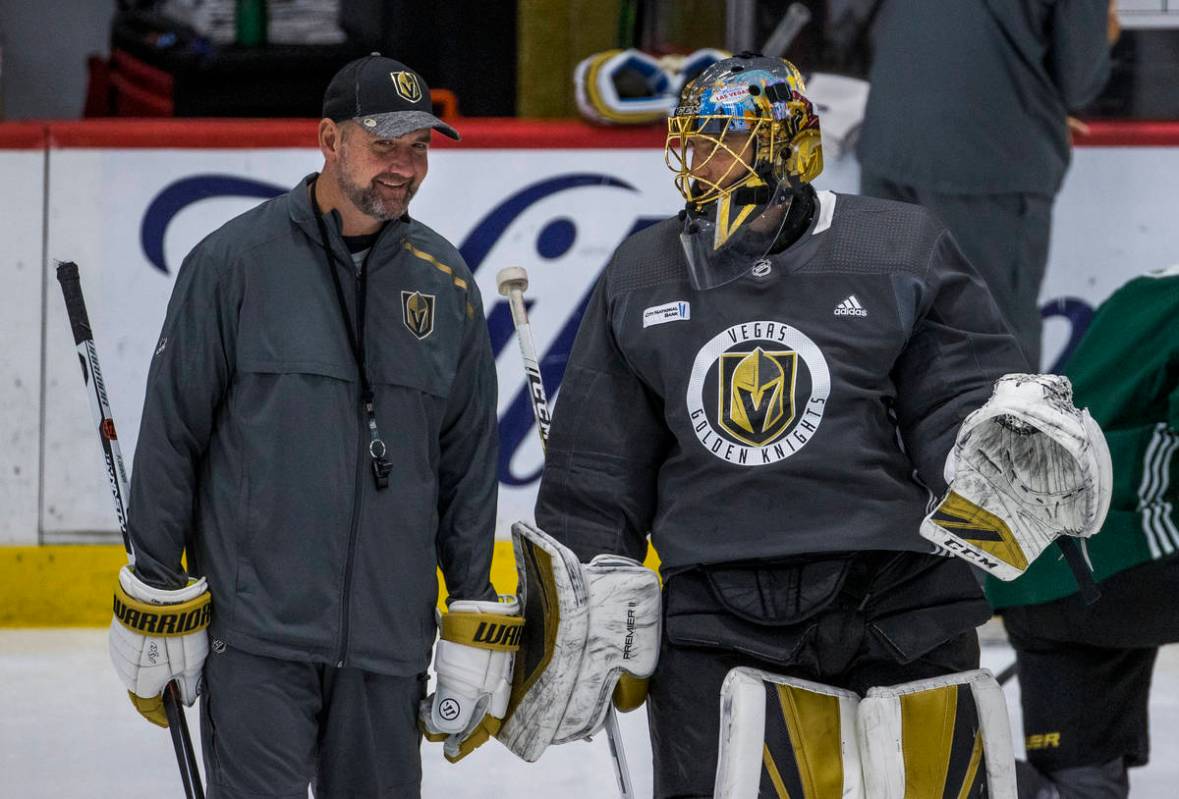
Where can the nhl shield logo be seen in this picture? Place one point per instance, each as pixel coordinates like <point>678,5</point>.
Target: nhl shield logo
<point>417,312</point>
<point>407,85</point>
<point>756,395</point>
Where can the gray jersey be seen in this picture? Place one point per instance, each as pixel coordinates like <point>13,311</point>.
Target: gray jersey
<point>807,407</point>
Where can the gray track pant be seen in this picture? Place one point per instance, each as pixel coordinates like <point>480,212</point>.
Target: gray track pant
<point>270,728</point>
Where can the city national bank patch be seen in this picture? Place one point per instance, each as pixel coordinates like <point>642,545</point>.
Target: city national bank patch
<point>668,312</point>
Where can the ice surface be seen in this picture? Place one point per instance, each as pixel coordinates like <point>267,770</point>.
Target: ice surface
<point>67,731</point>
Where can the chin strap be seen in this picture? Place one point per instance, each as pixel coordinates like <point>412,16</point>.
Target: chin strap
<point>753,195</point>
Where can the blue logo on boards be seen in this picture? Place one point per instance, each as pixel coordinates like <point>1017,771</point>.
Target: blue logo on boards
<point>554,240</point>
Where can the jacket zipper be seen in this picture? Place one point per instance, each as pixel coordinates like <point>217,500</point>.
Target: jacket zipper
<point>358,495</point>
<point>346,599</point>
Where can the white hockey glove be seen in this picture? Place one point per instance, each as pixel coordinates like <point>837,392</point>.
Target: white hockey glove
<point>156,637</point>
<point>473,663</point>
<point>1026,467</point>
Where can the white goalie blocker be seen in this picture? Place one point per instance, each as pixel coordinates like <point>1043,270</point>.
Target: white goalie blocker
<point>586,628</point>
<point>782,736</point>
<point>1026,468</point>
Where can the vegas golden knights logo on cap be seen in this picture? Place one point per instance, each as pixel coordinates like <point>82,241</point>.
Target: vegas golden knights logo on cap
<point>417,311</point>
<point>407,85</point>
<point>756,395</point>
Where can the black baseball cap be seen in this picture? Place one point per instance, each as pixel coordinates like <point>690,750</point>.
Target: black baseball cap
<point>383,96</point>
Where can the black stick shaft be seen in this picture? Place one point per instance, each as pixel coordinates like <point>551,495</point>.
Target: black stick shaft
<point>1075,558</point>
<point>182,744</point>
<point>71,288</point>
<point>116,473</point>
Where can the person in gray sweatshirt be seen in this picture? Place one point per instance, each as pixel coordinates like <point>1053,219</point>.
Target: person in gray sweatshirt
<point>968,116</point>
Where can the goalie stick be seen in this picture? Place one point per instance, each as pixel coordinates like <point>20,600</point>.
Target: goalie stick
<point>512,282</point>
<point>71,288</point>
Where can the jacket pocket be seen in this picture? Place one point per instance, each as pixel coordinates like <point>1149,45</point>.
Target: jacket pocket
<point>299,428</point>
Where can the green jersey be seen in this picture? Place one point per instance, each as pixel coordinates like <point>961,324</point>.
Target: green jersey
<point>1126,372</point>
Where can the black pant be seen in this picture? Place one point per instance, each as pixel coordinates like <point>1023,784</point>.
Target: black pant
<point>270,728</point>
<point>891,618</point>
<point>1085,671</point>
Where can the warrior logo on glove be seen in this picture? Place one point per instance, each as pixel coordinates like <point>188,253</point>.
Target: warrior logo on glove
<point>473,662</point>
<point>159,636</point>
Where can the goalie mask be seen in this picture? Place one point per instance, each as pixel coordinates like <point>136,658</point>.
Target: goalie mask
<point>743,140</point>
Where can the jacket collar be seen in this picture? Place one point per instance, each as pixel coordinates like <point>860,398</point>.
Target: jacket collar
<point>303,215</point>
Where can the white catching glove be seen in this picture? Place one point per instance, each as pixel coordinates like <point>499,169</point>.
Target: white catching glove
<point>473,664</point>
<point>156,637</point>
<point>1026,467</point>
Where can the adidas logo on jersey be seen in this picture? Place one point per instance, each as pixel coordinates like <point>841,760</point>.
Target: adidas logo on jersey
<point>850,307</point>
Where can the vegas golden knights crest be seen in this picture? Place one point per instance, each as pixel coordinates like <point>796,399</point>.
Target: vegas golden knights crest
<point>757,392</point>
<point>756,395</point>
<point>407,85</point>
<point>417,311</point>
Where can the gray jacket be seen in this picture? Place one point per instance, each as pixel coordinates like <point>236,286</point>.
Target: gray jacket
<point>971,96</point>
<point>253,452</point>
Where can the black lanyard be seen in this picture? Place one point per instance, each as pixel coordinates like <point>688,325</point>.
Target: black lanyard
<point>381,466</point>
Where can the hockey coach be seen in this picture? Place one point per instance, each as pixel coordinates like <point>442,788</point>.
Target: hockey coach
<point>318,435</point>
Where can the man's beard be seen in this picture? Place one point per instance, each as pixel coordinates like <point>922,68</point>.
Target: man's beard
<point>368,198</point>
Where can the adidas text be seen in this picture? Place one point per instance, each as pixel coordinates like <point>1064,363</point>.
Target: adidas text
<point>850,307</point>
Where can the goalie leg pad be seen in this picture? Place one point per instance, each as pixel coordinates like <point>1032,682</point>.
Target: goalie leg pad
<point>649,95</point>
<point>585,626</point>
<point>782,736</point>
<point>945,736</point>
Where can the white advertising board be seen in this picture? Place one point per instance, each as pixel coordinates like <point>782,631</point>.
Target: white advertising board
<point>21,208</point>
<point>128,215</point>
<point>557,213</point>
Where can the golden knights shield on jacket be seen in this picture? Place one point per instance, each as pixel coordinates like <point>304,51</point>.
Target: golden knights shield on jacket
<point>417,312</point>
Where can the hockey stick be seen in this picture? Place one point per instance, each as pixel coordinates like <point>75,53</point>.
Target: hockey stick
<point>71,288</point>
<point>512,283</point>
<point>792,22</point>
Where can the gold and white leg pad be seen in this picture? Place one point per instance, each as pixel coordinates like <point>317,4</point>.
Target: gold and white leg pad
<point>785,737</point>
<point>586,626</point>
<point>946,736</point>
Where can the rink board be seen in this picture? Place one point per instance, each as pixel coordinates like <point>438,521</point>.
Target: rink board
<point>22,196</point>
<point>127,200</point>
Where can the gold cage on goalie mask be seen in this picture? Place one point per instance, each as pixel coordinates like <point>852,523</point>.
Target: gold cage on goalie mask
<point>743,123</point>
